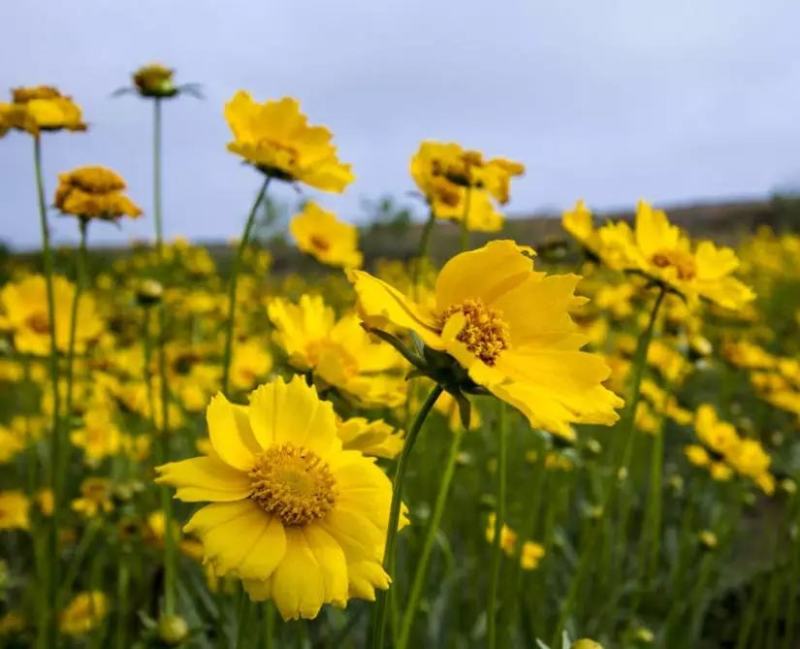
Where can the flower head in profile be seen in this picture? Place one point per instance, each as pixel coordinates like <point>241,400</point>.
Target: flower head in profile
<point>94,192</point>
<point>338,352</point>
<point>276,138</point>
<point>295,516</point>
<point>458,183</point>
<point>24,312</point>
<point>329,240</point>
<point>40,108</point>
<point>663,253</point>
<point>155,80</point>
<point>373,438</point>
<point>499,326</point>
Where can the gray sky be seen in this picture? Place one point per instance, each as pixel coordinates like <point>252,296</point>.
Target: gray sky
<point>610,101</point>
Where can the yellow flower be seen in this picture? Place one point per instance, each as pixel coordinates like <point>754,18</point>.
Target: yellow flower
<point>719,436</point>
<point>295,516</point>
<point>330,241</point>
<point>40,108</point>
<point>251,361</point>
<point>532,554</point>
<point>13,510</point>
<point>94,192</point>
<point>99,437</point>
<point>95,497</point>
<point>376,438</point>
<point>458,182</point>
<point>697,455</point>
<point>11,443</point>
<point>482,319</point>
<point>339,352</point>
<point>508,537</point>
<point>586,643</point>
<point>276,138</point>
<point>155,80</point>
<point>23,311</point>
<point>84,613</point>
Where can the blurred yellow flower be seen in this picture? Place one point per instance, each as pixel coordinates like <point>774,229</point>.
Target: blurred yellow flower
<point>276,138</point>
<point>458,182</point>
<point>251,362</point>
<point>339,352</point>
<point>94,192</point>
<point>24,312</point>
<point>329,240</point>
<point>40,108</point>
<point>95,497</point>
<point>295,516</point>
<point>375,438</point>
<point>84,612</point>
<point>99,437</point>
<point>482,319</point>
<point>11,443</point>
<point>14,507</point>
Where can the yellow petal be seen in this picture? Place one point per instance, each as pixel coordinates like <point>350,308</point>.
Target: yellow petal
<point>293,413</point>
<point>204,478</point>
<point>485,273</point>
<point>331,560</point>
<point>230,434</point>
<point>365,577</point>
<point>266,552</point>
<point>298,587</point>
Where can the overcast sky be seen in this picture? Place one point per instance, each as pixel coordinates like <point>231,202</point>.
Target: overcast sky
<point>610,101</point>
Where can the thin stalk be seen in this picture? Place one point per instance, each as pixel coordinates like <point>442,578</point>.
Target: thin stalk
<point>793,576</point>
<point>500,517</point>
<point>427,546</point>
<point>424,245</point>
<point>651,535</point>
<point>233,282</point>
<point>464,224</point>
<point>166,501</point>
<point>269,625</point>
<point>80,286</point>
<point>378,628</point>
<point>123,579</point>
<point>50,635</point>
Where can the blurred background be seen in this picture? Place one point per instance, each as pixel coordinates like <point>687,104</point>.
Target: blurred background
<point>678,102</point>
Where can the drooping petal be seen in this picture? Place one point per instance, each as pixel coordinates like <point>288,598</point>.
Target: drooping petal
<point>298,585</point>
<point>331,560</point>
<point>204,479</point>
<point>230,434</point>
<point>365,577</point>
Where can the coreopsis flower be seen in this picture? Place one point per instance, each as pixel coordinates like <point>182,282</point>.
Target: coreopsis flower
<point>664,254</point>
<point>99,436</point>
<point>339,352</point>
<point>95,497</point>
<point>459,183</point>
<point>374,438</point>
<point>275,137</point>
<point>24,313</point>
<point>295,516</point>
<point>532,554</point>
<point>94,192</point>
<point>14,506</point>
<point>155,80</point>
<point>480,336</point>
<point>508,537</point>
<point>40,108</point>
<point>329,240</point>
<point>11,443</point>
<point>251,362</point>
<point>83,613</point>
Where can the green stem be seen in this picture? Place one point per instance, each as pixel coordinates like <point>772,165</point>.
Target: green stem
<point>378,629</point>
<point>55,438</point>
<point>427,546</point>
<point>499,520</point>
<point>166,502</point>
<point>233,282</point>
<point>652,526</point>
<point>269,625</point>
<point>424,245</point>
<point>123,578</point>
<point>465,216</point>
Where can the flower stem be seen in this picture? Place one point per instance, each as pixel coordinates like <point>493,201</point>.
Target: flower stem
<point>464,224</point>
<point>55,438</point>
<point>232,284</point>
<point>500,516</point>
<point>378,629</point>
<point>424,245</point>
<point>80,286</point>
<point>427,546</point>
<point>166,502</point>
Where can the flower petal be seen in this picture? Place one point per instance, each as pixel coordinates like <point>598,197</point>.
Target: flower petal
<point>332,564</point>
<point>230,434</point>
<point>204,478</point>
<point>298,586</point>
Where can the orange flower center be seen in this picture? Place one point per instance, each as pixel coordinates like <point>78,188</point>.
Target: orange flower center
<point>320,243</point>
<point>39,322</point>
<point>682,262</point>
<point>485,333</point>
<point>293,483</point>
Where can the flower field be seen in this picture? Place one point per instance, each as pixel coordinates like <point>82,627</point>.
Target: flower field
<point>582,445</point>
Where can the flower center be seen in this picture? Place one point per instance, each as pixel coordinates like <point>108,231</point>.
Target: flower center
<point>39,322</point>
<point>320,243</point>
<point>293,484</point>
<point>485,333</point>
<point>682,262</point>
